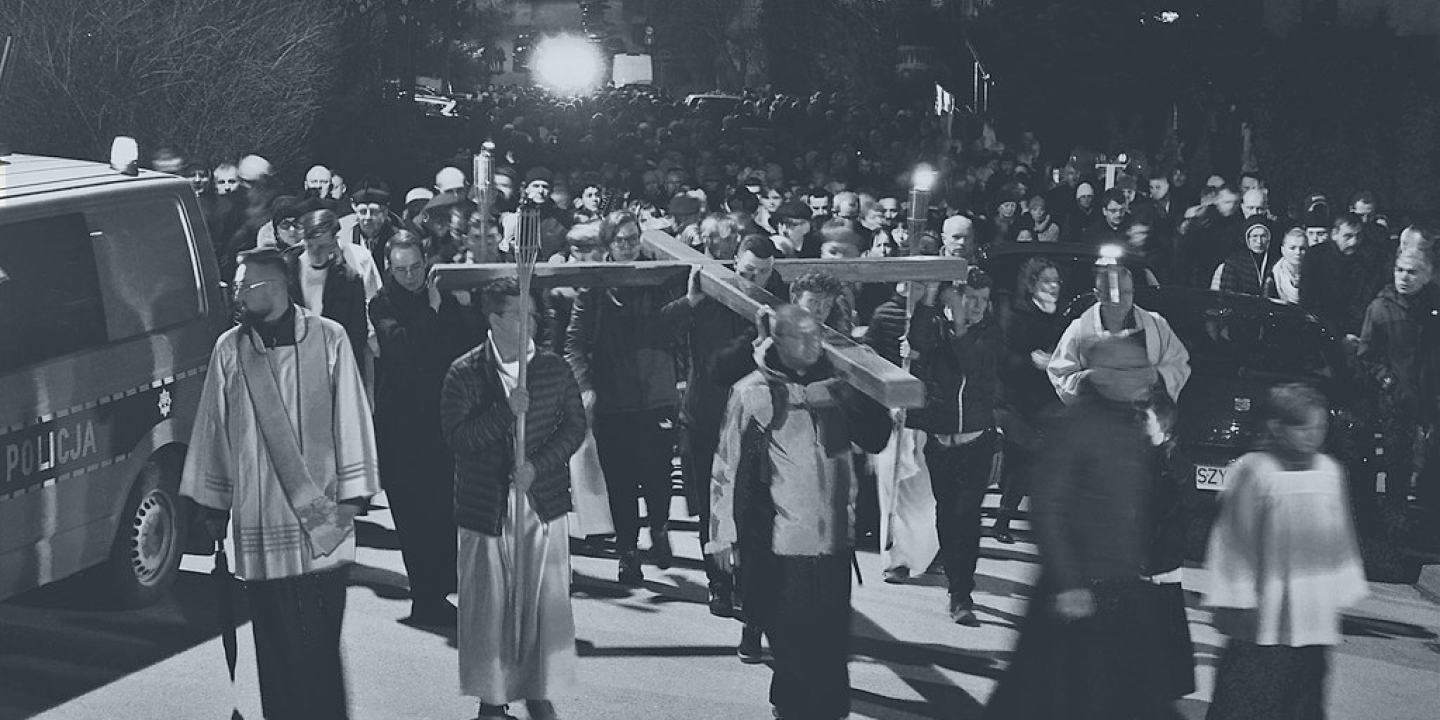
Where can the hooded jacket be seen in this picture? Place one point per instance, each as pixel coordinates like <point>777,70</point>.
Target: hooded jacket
<point>785,454</point>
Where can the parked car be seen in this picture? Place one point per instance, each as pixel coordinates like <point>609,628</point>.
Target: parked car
<point>1241,346</point>
<point>1075,261</point>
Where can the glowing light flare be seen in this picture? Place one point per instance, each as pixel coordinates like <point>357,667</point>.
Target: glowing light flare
<point>924,178</point>
<point>567,64</point>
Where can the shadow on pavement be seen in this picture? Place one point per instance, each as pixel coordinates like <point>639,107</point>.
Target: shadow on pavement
<point>892,652</point>
<point>955,704</point>
<point>585,649</point>
<point>386,584</point>
<point>943,699</point>
<point>1358,626</point>
<point>56,645</point>
<point>373,535</point>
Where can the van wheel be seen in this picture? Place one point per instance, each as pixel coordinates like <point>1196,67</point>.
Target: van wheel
<point>145,557</point>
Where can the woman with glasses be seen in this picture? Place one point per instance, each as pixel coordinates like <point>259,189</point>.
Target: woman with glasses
<point>620,343</point>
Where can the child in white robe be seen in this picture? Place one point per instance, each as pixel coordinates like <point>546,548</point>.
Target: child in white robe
<point>1284,563</point>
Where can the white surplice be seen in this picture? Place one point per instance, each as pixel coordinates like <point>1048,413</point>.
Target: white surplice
<point>229,468</point>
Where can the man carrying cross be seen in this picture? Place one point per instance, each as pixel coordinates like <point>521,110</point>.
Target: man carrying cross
<point>783,495</point>
<point>619,344</point>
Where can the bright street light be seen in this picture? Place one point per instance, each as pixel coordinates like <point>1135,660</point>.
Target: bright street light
<point>567,64</point>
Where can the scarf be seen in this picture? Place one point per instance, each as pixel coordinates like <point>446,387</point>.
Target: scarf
<point>1287,282</point>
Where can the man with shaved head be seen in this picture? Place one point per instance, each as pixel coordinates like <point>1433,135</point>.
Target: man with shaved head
<point>450,179</point>
<point>317,182</point>
<point>957,236</point>
<point>782,492</point>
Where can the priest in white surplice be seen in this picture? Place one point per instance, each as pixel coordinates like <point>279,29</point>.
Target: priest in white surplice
<point>283,447</point>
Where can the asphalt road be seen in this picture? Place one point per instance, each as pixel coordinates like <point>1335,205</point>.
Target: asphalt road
<point>652,652</point>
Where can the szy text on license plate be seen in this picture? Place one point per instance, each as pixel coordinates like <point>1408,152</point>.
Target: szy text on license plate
<point>1209,477</point>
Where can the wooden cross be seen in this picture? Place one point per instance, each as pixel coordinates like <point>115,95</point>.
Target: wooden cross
<point>465,276</point>
<point>857,364</point>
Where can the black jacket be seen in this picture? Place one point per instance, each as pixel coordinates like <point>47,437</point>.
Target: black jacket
<point>1337,288</point>
<point>620,344</point>
<point>1205,241</point>
<point>887,326</point>
<point>417,345</point>
<point>1400,347</point>
<point>344,301</point>
<point>1025,328</point>
<point>480,429</point>
<point>944,363</point>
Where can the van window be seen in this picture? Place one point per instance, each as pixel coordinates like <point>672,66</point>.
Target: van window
<point>143,254</point>
<point>50,298</point>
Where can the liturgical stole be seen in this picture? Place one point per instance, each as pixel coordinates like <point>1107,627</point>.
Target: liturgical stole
<point>302,459</point>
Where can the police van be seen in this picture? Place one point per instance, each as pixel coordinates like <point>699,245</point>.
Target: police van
<point>110,303</point>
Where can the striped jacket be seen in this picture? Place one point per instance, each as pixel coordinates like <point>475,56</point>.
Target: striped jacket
<point>476,419</point>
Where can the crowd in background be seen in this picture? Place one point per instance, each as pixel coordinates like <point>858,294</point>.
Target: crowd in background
<point>768,177</point>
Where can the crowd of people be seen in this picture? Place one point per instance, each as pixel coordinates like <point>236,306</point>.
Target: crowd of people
<point>334,289</point>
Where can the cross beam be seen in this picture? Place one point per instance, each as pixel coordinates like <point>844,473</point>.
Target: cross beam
<point>865,270</point>
<point>854,363</point>
<point>465,276</point>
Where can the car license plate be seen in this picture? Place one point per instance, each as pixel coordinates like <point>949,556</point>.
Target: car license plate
<point>1209,477</point>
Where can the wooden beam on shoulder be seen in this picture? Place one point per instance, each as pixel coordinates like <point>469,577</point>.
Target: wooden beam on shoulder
<point>867,270</point>
<point>857,364</point>
<point>468,276</point>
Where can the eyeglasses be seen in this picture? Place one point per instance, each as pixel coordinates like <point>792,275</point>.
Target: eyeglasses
<point>408,269</point>
<point>247,287</point>
<point>287,224</point>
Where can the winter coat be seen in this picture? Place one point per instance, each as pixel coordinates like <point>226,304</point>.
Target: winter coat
<point>620,344</point>
<point>960,373</point>
<point>417,345</point>
<point>478,425</point>
<point>762,413</point>
<point>343,301</point>
<point>1338,288</point>
<point>712,329</point>
<point>1205,241</point>
<point>1400,347</point>
<point>1242,272</point>
<point>887,326</point>
<point>1091,493</point>
<point>1026,328</point>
